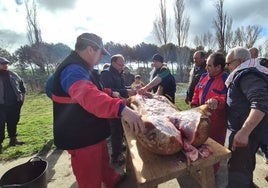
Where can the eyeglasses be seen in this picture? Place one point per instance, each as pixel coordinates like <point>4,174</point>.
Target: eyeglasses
<point>120,65</point>
<point>230,62</point>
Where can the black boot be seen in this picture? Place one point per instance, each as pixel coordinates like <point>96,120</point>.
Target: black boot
<point>1,147</point>
<point>13,142</point>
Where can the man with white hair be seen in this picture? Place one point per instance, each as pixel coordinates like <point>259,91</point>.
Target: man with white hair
<point>254,53</point>
<point>247,109</point>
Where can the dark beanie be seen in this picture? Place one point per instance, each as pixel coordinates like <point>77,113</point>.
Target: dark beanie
<point>158,57</point>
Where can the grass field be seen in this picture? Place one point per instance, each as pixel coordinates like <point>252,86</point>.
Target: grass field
<point>36,130</point>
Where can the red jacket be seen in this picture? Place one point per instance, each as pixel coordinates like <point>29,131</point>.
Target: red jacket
<point>213,87</point>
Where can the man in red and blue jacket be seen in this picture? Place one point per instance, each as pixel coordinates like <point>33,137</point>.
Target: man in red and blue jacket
<point>211,89</point>
<point>81,106</point>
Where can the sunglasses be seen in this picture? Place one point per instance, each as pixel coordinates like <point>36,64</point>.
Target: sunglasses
<point>230,62</point>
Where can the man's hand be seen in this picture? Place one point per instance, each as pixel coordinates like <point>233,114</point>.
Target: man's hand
<point>131,92</point>
<point>142,90</point>
<point>241,137</point>
<point>240,140</point>
<point>133,119</point>
<point>116,94</point>
<point>212,104</point>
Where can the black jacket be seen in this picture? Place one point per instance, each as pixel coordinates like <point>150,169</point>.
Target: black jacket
<point>249,89</point>
<point>194,80</point>
<point>73,126</point>
<point>111,78</point>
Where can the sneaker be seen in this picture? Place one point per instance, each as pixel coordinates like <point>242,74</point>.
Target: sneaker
<point>14,142</point>
<point>120,160</point>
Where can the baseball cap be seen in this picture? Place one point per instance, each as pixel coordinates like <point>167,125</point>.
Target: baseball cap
<point>92,40</point>
<point>3,61</point>
<point>158,57</point>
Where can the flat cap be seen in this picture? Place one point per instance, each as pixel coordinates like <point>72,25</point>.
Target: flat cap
<point>3,61</point>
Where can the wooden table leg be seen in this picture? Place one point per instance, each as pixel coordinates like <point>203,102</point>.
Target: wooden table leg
<point>129,170</point>
<point>205,177</point>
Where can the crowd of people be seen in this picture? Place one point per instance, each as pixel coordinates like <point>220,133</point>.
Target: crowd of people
<point>88,107</point>
<point>235,88</point>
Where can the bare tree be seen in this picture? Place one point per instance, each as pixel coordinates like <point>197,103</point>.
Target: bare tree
<point>266,48</point>
<point>251,35</point>
<point>229,33</point>
<point>210,41</point>
<point>183,66</point>
<point>33,30</point>
<point>162,25</point>
<point>205,40</point>
<point>238,38</point>
<point>221,23</point>
<point>182,23</point>
<point>246,36</point>
<point>197,41</point>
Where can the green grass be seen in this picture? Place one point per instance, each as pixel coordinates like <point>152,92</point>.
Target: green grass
<point>180,96</point>
<point>36,130</point>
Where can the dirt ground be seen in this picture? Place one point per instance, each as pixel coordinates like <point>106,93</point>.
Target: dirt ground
<point>60,172</point>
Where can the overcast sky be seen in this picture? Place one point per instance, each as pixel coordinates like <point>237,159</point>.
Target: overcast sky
<point>121,21</point>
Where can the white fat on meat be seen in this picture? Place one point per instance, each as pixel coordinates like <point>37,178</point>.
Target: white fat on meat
<point>167,123</point>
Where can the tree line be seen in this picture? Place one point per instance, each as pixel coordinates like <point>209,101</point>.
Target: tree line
<point>38,59</point>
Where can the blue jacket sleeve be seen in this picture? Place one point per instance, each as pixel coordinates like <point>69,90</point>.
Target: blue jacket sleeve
<point>72,74</point>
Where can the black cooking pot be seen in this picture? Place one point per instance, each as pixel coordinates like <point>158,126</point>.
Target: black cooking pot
<point>32,174</point>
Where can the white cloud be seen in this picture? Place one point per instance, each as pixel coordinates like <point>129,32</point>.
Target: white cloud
<point>121,21</point>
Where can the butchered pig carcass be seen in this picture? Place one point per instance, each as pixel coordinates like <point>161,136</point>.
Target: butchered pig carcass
<point>168,129</point>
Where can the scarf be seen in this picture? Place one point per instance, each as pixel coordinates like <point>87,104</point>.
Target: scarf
<point>247,64</point>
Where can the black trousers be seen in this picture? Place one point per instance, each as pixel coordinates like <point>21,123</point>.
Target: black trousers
<point>9,116</point>
<point>116,137</point>
<point>242,163</point>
